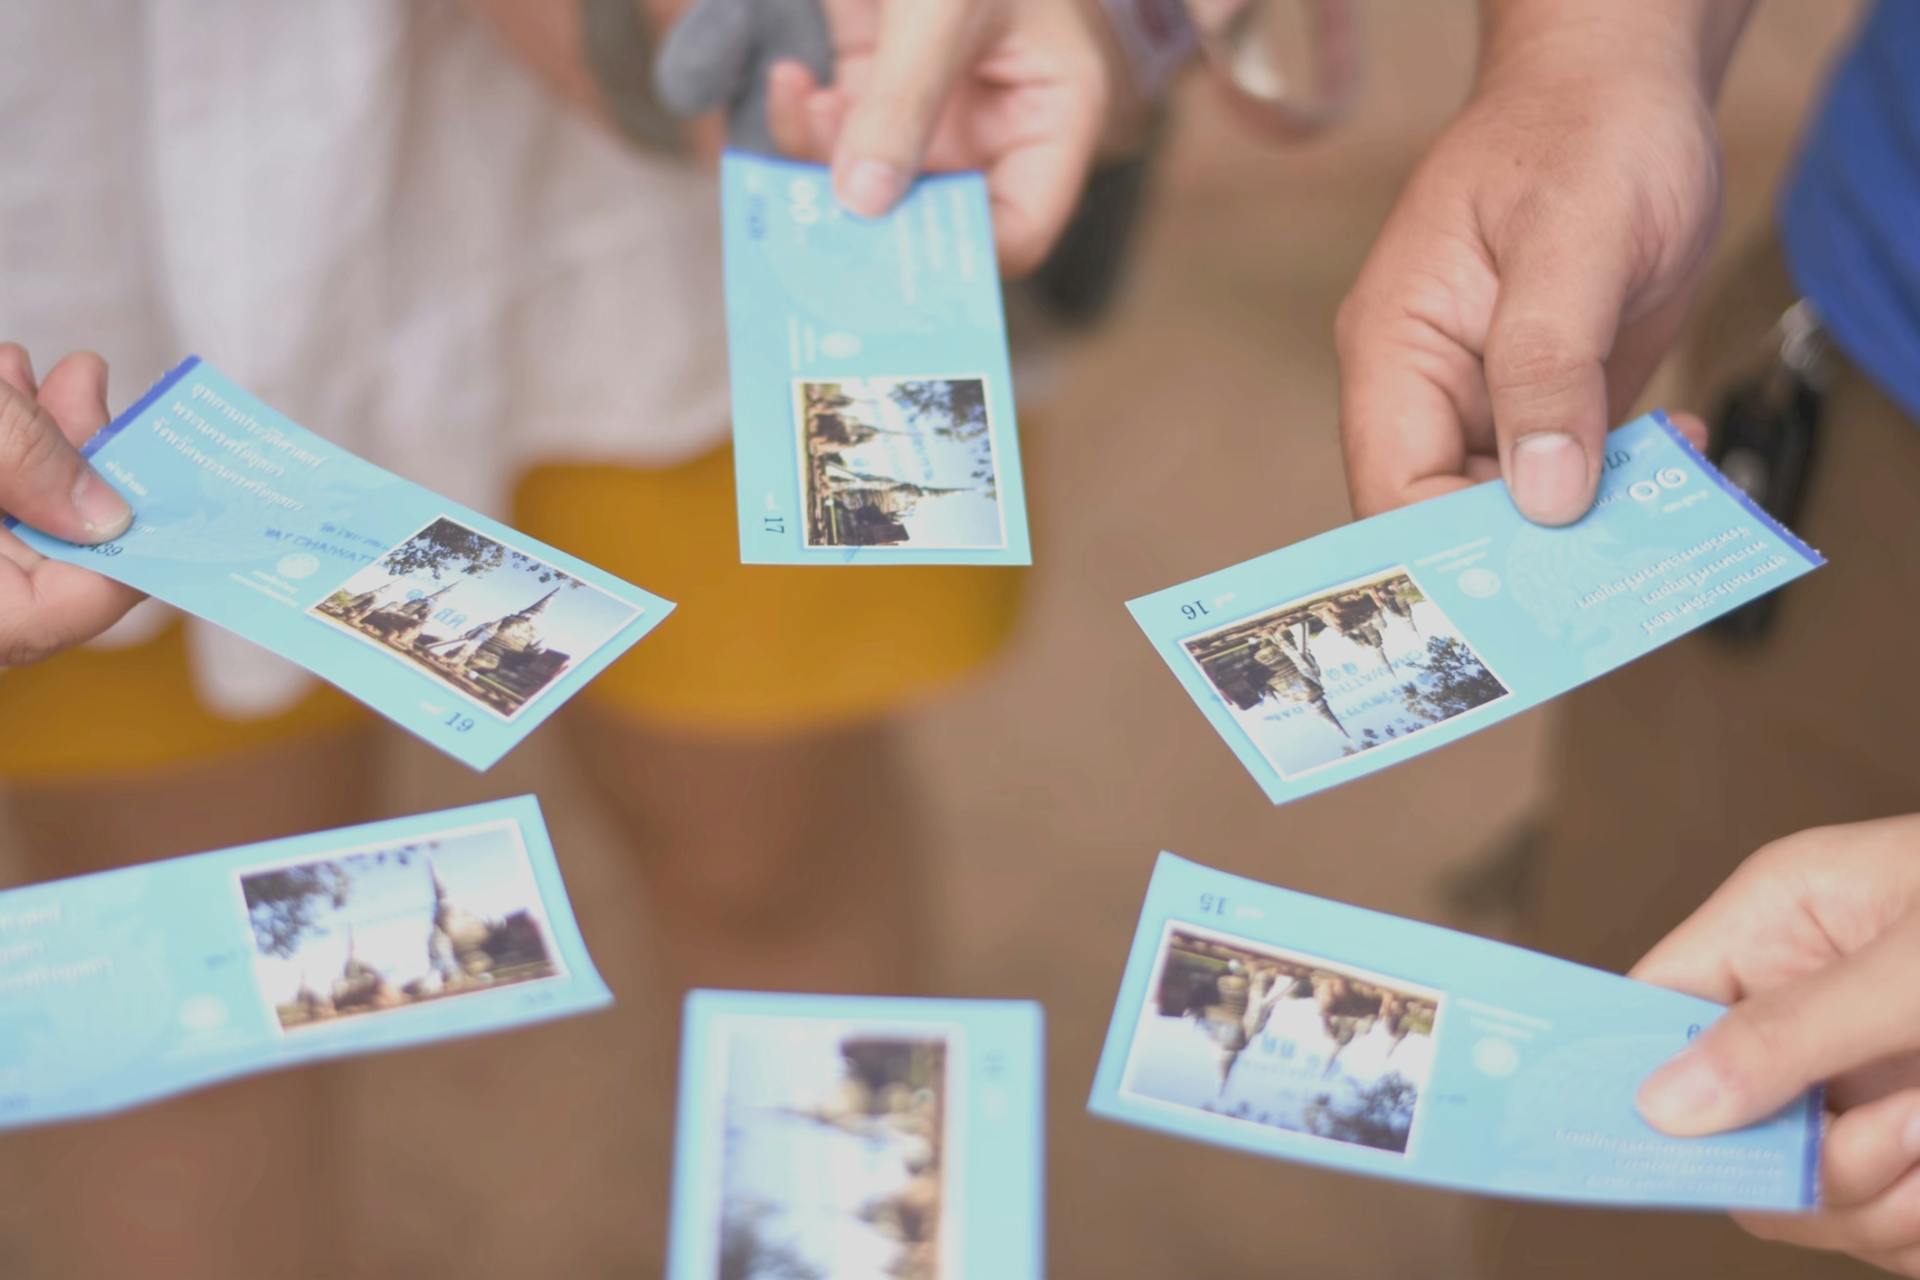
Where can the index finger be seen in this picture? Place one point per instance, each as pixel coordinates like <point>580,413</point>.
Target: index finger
<point>1403,429</point>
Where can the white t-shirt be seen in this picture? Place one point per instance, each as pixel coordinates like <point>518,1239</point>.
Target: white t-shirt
<point>369,214</point>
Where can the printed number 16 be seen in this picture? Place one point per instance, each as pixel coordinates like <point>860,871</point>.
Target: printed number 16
<point>1193,612</point>
<point>1212,904</point>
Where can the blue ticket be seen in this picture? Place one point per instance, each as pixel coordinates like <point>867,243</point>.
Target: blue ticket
<point>873,418</point>
<point>451,624</point>
<point>1309,1030</point>
<point>862,1138</point>
<point>1364,646</point>
<point>128,986</point>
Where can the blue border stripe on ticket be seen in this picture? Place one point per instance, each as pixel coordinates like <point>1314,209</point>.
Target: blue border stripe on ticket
<point>1738,494</point>
<point>107,433</point>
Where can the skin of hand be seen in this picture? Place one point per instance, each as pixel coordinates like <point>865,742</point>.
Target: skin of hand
<point>1025,90</point>
<point>1542,257</point>
<point>47,606</point>
<point>1815,944</point>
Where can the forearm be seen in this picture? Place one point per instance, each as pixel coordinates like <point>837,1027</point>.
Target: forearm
<point>1695,37</point>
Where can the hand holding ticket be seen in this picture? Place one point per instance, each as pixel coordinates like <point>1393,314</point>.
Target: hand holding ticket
<point>1310,1030</point>
<point>1364,646</point>
<point>1814,942</point>
<point>460,629</point>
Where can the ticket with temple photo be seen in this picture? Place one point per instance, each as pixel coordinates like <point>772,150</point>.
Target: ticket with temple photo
<point>1361,647</point>
<point>128,986</point>
<point>452,625</point>
<point>1308,1030</point>
<point>864,1138</point>
<point>873,418</point>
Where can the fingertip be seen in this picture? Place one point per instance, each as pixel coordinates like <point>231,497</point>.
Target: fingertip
<point>16,368</point>
<point>869,188</point>
<point>1551,476</point>
<point>1685,1097</point>
<point>1692,426</point>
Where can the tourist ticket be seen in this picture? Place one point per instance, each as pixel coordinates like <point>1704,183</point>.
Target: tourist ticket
<point>1309,1030</point>
<point>858,1136</point>
<point>128,986</point>
<point>1364,646</point>
<point>873,418</point>
<point>454,626</point>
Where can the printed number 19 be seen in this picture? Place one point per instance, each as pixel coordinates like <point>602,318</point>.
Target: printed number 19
<point>1193,612</point>
<point>459,723</point>
<point>1212,904</point>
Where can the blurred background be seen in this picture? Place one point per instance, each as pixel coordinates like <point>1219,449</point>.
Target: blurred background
<point>1195,429</point>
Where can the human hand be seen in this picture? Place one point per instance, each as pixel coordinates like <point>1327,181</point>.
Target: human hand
<point>1815,943</point>
<point>1535,269</point>
<point>1021,89</point>
<point>45,605</point>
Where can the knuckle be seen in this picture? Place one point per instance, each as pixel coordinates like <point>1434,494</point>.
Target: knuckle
<point>26,441</point>
<point>1753,1042</point>
<point>1533,357</point>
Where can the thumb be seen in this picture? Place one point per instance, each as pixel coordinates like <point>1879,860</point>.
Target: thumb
<point>1766,1050</point>
<point>43,479</point>
<point>921,48</point>
<point>1561,296</point>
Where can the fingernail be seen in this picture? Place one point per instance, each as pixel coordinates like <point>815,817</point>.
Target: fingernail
<point>1548,477</point>
<point>105,513</point>
<point>871,187</point>
<point>1684,1096</point>
<point>1910,1136</point>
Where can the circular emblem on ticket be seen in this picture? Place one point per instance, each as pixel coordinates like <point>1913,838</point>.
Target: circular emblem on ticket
<point>1495,1057</point>
<point>1480,583</point>
<point>297,566</point>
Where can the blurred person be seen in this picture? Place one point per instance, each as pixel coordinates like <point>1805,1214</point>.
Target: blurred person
<point>1814,942</point>
<point>376,219</point>
<point>1539,263</point>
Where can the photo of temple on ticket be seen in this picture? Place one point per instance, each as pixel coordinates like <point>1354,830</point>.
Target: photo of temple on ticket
<point>494,624</point>
<point>1340,672</point>
<point>1268,1037</point>
<point>898,462</point>
<point>389,927</point>
<point>837,1142</point>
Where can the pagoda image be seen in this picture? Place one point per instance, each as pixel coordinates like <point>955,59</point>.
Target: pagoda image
<point>506,661</point>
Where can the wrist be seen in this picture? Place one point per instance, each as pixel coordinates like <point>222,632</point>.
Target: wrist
<point>1687,43</point>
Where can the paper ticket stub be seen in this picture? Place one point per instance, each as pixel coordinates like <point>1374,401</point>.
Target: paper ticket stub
<point>873,418</point>
<point>132,985</point>
<point>858,1137</point>
<point>454,626</point>
<point>1361,647</point>
<point>1309,1030</point>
